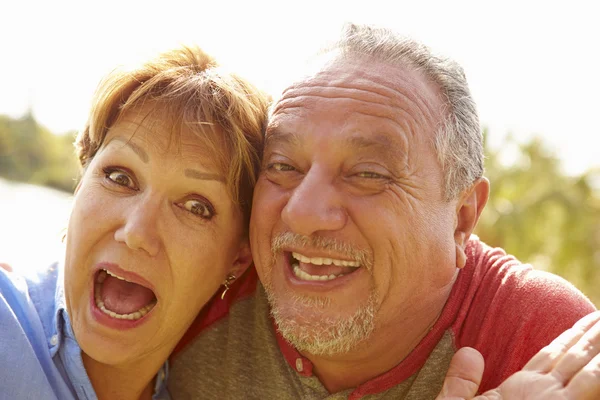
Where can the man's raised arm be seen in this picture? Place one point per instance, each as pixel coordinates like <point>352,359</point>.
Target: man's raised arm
<point>568,368</point>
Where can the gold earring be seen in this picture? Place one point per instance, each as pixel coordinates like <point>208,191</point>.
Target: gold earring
<point>228,281</point>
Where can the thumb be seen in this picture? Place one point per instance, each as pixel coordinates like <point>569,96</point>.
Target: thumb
<point>464,375</point>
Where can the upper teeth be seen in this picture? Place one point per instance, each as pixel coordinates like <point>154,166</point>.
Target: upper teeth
<point>115,275</point>
<point>100,304</point>
<point>325,261</point>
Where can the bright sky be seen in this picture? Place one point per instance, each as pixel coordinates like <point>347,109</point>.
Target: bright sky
<point>533,66</point>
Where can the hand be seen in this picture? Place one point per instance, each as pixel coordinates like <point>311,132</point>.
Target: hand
<point>6,267</point>
<point>464,375</point>
<point>566,369</point>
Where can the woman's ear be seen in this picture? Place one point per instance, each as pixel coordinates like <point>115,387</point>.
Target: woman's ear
<point>242,260</point>
<point>77,186</point>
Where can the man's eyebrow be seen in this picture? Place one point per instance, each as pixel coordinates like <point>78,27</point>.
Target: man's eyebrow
<point>390,149</point>
<point>136,149</point>
<point>195,174</point>
<point>277,136</point>
<point>380,142</point>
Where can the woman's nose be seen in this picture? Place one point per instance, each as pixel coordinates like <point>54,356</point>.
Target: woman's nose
<point>139,230</point>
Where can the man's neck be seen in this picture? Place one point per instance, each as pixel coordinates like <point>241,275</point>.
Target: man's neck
<point>386,348</point>
<point>127,382</point>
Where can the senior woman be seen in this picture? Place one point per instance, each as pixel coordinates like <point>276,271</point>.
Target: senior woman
<point>169,155</point>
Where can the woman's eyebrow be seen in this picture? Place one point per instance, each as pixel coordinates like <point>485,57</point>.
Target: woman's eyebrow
<point>193,173</point>
<point>136,149</point>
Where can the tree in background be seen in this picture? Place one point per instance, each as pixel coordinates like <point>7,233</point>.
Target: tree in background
<point>542,216</point>
<point>535,211</point>
<point>31,153</point>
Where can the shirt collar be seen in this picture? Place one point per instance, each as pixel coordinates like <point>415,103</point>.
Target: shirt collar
<point>297,361</point>
<point>60,321</point>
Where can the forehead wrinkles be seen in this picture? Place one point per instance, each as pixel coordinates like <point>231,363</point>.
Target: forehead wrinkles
<point>367,93</point>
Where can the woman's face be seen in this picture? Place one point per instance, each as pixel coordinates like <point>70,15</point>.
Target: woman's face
<point>152,235</point>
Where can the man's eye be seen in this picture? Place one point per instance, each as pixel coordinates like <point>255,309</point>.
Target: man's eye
<point>199,208</point>
<point>370,175</point>
<point>280,167</point>
<point>119,177</point>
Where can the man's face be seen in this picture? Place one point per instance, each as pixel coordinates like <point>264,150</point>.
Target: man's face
<point>350,232</point>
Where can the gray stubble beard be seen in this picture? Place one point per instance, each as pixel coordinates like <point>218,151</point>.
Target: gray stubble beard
<point>326,336</point>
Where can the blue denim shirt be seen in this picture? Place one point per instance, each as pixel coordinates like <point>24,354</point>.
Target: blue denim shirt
<point>39,356</point>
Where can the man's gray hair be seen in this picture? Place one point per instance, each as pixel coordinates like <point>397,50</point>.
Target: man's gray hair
<point>458,142</point>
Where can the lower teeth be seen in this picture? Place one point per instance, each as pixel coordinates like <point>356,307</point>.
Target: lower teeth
<point>132,316</point>
<point>307,277</point>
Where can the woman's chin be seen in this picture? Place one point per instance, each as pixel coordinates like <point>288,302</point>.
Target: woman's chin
<point>115,340</point>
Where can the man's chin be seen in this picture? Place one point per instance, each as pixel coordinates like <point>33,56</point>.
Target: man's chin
<point>311,327</point>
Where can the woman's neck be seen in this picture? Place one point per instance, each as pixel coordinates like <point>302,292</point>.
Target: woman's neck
<point>123,382</point>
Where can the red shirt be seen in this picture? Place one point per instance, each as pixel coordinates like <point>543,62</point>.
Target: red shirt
<point>506,310</point>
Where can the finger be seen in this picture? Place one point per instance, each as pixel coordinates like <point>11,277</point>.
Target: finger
<point>493,394</point>
<point>586,383</point>
<point>547,357</point>
<point>579,355</point>
<point>6,267</point>
<point>464,375</point>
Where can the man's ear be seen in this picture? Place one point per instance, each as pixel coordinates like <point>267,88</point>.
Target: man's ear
<point>468,210</point>
<point>242,260</point>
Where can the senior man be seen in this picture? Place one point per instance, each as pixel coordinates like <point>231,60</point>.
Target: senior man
<point>361,231</point>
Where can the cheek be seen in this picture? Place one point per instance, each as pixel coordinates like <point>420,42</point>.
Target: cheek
<point>431,248</point>
<point>412,247</point>
<point>200,265</point>
<point>265,200</point>
<point>79,234</point>
<point>266,213</point>
<point>195,288</point>
<point>92,220</point>
<point>92,206</point>
<point>89,222</point>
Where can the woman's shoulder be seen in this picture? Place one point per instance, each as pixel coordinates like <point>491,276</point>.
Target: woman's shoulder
<point>23,283</point>
<point>25,340</point>
<point>28,297</point>
<point>13,288</point>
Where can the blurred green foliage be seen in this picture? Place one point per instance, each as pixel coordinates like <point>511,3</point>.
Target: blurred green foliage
<point>31,153</point>
<point>542,216</point>
<point>535,211</point>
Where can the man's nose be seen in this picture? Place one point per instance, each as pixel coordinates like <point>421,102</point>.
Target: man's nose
<point>139,230</point>
<point>315,205</point>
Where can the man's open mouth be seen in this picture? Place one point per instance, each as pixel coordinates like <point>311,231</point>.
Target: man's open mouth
<point>117,297</point>
<point>320,268</point>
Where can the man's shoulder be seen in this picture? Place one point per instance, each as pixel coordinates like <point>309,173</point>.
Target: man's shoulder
<point>512,310</point>
<point>501,279</point>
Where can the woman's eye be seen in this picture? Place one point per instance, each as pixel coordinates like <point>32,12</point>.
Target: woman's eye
<point>199,208</point>
<point>119,177</point>
<point>280,167</point>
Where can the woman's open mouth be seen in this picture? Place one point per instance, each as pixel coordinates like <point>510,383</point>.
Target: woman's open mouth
<point>121,299</point>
